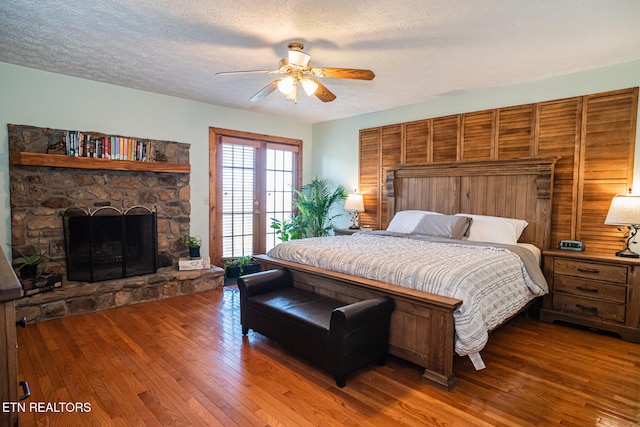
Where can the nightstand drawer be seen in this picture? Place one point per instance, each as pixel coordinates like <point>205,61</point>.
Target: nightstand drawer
<point>590,288</point>
<point>589,307</point>
<point>589,270</point>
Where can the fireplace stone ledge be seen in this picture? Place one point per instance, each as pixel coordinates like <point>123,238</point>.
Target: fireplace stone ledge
<point>74,298</point>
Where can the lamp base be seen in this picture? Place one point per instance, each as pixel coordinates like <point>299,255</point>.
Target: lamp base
<point>354,227</point>
<point>628,253</point>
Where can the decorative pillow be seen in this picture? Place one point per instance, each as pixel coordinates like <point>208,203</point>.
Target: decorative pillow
<point>495,229</point>
<point>406,221</point>
<point>447,226</point>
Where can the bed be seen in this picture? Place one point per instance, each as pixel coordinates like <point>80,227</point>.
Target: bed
<point>423,328</point>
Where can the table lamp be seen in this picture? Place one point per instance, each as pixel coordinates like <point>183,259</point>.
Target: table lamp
<point>354,203</point>
<point>625,210</point>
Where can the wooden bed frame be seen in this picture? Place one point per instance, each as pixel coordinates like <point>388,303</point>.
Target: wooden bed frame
<point>422,325</point>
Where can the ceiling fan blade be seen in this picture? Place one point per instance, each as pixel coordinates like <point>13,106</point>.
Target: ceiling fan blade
<point>324,94</point>
<point>222,73</point>
<point>344,73</point>
<point>265,91</point>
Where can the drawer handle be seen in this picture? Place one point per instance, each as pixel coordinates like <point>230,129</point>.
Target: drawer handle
<point>583,289</point>
<point>588,270</point>
<point>591,310</point>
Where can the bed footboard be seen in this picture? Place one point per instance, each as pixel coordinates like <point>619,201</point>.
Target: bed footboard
<point>422,328</point>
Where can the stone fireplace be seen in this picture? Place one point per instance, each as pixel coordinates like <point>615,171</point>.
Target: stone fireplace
<point>41,192</point>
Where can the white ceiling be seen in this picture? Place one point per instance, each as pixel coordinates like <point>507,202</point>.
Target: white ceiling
<point>418,49</point>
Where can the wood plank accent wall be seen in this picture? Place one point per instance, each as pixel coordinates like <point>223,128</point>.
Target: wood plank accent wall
<point>594,135</point>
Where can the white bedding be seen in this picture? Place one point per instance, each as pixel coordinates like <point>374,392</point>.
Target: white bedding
<point>492,281</point>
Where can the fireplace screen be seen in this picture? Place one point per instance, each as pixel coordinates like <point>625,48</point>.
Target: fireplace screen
<point>109,244</point>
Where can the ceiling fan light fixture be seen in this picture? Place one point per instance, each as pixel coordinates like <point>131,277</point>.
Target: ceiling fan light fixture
<point>296,68</point>
<point>286,85</point>
<point>297,56</point>
<point>309,86</point>
<point>293,95</point>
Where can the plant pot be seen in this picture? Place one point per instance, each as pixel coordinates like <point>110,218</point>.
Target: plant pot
<point>29,271</point>
<point>194,252</point>
<point>234,271</point>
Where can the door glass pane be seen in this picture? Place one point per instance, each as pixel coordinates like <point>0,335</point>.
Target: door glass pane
<point>279,184</point>
<point>238,183</point>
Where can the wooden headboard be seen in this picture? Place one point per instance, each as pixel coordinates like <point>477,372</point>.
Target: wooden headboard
<point>516,188</point>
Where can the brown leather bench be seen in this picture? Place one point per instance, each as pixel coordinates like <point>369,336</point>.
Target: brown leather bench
<point>336,336</point>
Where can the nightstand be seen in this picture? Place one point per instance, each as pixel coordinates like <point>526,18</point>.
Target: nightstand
<point>593,290</point>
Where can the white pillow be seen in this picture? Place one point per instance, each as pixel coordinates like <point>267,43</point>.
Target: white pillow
<point>406,221</point>
<point>495,229</point>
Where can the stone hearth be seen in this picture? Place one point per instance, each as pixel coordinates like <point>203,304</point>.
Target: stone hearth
<point>83,297</point>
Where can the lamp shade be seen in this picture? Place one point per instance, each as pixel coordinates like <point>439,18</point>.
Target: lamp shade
<point>624,210</point>
<point>299,58</point>
<point>309,86</point>
<point>286,85</point>
<point>354,202</point>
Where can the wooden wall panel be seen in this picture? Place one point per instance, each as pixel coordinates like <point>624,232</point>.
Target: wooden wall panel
<point>478,136</point>
<point>391,144</point>
<point>516,131</point>
<point>392,148</point>
<point>417,142</point>
<point>606,163</point>
<point>369,179</point>
<point>446,139</point>
<point>558,134</point>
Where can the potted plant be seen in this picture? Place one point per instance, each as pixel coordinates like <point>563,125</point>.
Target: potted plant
<point>314,203</point>
<point>240,266</point>
<point>193,243</point>
<point>32,265</point>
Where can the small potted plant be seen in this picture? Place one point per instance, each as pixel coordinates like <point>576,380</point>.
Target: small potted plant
<point>240,266</point>
<point>32,265</point>
<point>193,243</point>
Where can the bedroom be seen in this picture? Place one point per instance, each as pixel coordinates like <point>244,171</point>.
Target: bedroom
<point>45,99</point>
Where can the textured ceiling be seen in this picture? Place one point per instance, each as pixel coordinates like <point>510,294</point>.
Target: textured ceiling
<point>418,49</point>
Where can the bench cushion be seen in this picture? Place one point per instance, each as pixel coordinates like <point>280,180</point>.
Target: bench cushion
<point>298,308</point>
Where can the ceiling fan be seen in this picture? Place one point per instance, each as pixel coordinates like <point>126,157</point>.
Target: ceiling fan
<point>296,69</point>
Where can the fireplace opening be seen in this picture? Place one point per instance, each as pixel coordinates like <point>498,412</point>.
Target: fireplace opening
<point>110,244</point>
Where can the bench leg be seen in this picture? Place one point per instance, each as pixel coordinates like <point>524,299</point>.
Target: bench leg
<point>341,380</point>
<point>245,330</point>
<point>382,360</point>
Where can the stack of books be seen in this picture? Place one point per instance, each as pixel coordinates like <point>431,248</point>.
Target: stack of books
<point>82,144</point>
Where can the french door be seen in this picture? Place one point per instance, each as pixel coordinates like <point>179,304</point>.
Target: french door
<point>254,177</point>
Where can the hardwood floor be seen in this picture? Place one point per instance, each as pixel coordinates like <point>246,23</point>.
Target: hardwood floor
<point>184,361</point>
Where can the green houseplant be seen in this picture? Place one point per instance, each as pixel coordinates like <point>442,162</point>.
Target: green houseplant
<point>314,203</point>
<point>32,265</point>
<point>240,266</point>
<point>194,243</point>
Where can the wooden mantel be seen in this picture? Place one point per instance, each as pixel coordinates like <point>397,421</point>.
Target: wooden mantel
<point>62,161</point>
